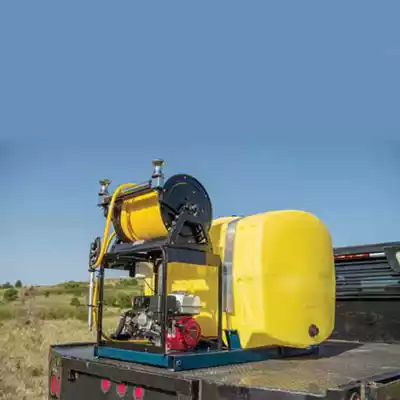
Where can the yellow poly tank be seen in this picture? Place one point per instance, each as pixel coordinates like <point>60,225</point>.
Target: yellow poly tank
<point>283,280</point>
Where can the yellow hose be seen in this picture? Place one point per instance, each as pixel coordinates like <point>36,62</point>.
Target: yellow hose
<point>106,241</point>
<point>108,220</point>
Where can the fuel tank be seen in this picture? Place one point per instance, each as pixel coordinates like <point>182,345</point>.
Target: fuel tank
<point>279,279</point>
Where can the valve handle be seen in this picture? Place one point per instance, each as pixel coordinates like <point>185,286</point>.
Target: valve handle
<point>158,162</point>
<point>104,182</point>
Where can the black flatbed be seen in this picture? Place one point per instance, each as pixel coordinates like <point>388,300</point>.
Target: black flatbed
<point>340,367</point>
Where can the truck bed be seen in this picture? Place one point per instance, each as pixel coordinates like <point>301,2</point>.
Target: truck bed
<point>339,368</point>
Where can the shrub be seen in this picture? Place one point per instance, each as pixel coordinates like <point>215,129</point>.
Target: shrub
<point>71,285</point>
<point>7,285</point>
<point>75,302</point>
<point>127,282</point>
<point>37,371</point>
<point>18,284</point>
<point>77,292</point>
<point>110,300</point>
<point>124,300</point>
<point>55,313</point>
<point>10,294</point>
<point>81,314</point>
<point>46,293</point>
<point>65,312</point>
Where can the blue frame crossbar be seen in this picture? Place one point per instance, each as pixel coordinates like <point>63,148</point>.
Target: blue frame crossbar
<point>204,359</point>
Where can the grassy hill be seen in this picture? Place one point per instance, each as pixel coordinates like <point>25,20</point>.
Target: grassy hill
<point>66,300</point>
<point>37,316</point>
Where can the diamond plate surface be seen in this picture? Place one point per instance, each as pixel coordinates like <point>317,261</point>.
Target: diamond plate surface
<point>338,364</point>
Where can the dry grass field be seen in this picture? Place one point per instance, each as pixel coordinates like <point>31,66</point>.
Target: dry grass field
<point>34,321</point>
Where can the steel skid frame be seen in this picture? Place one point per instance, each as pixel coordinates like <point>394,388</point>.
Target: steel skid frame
<point>160,253</point>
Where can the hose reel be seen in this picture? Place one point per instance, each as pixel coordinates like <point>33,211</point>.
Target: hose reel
<point>157,212</point>
<point>150,212</point>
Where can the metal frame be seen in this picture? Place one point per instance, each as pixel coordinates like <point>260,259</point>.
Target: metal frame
<point>233,354</point>
<point>172,249</point>
<point>203,359</point>
<point>179,246</point>
<point>177,249</point>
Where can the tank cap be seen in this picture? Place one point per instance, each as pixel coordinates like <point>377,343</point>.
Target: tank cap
<point>158,162</point>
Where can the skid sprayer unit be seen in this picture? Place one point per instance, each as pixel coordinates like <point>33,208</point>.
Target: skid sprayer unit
<point>217,291</point>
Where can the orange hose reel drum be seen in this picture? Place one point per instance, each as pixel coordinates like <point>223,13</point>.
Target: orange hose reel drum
<point>150,214</point>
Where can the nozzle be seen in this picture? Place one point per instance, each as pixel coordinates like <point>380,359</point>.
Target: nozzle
<point>158,175</point>
<point>104,184</point>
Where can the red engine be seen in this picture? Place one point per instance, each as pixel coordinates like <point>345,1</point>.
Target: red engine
<point>184,334</point>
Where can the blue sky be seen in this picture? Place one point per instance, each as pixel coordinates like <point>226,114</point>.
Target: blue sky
<point>271,105</point>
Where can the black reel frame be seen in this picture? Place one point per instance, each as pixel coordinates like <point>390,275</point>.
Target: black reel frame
<point>194,249</point>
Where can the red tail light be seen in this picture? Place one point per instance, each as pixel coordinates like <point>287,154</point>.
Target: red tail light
<point>55,385</point>
<point>121,389</point>
<point>105,385</point>
<point>138,393</point>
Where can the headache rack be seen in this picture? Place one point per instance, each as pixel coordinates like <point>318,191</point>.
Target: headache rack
<point>368,293</point>
<point>368,271</point>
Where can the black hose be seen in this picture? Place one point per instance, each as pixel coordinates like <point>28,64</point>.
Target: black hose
<point>121,325</point>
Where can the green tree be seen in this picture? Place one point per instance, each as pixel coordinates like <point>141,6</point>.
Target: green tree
<point>18,284</point>
<point>127,282</point>
<point>75,302</point>
<point>10,294</point>
<point>7,285</point>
